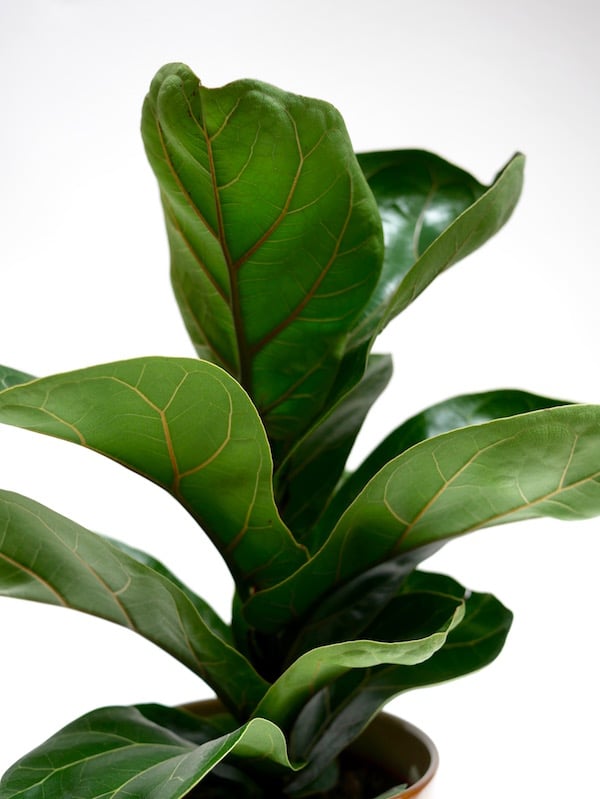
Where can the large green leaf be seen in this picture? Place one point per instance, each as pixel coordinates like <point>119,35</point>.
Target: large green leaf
<point>12,377</point>
<point>276,242</point>
<point>313,468</point>
<point>340,712</point>
<point>421,626</point>
<point>189,427</point>
<point>544,463</point>
<point>433,215</point>
<point>48,558</point>
<point>121,752</point>
<point>451,414</point>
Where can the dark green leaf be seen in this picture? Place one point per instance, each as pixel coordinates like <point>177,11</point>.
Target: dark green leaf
<point>311,472</point>
<point>189,427</point>
<point>425,634</point>
<point>263,199</point>
<point>433,215</point>
<point>47,558</point>
<point>451,414</point>
<point>120,753</point>
<point>339,713</point>
<point>544,463</point>
<point>12,377</point>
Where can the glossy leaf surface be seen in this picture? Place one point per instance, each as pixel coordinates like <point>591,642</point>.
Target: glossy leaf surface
<point>433,214</point>
<point>383,642</point>
<point>275,238</point>
<point>451,414</point>
<point>48,558</point>
<point>544,463</point>
<point>189,427</point>
<point>339,713</point>
<point>120,753</point>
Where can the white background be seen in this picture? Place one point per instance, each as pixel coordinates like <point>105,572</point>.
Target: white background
<point>84,279</point>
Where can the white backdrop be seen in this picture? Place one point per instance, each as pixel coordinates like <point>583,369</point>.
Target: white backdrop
<point>84,279</point>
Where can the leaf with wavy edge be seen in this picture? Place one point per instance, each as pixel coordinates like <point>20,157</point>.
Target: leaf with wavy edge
<point>543,463</point>
<point>263,198</point>
<point>189,427</point>
<point>119,753</point>
<point>12,377</point>
<point>321,666</point>
<point>341,711</point>
<point>48,558</point>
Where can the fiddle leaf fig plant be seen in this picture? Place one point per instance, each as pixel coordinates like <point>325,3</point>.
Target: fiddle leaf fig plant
<point>289,255</point>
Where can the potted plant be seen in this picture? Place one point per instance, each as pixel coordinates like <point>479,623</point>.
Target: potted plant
<point>289,255</point>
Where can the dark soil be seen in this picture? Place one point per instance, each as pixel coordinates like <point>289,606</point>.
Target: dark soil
<point>360,780</point>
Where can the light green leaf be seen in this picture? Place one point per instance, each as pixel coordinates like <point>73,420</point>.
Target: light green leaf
<point>120,753</point>
<point>544,463</point>
<point>321,666</point>
<point>189,427</point>
<point>461,411</point>
<point>263,198</point>
<point>47,558</point>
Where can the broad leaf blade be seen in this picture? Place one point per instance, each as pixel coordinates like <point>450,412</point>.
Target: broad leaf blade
<point>544,463</point>
<point>48,558</point>
<point>451,414</point>
<point>12,377</point>
<point>434,214</point>
<point>420,197</point>
<point>189,427</point>
<point>425,634</point>
<point>119,753</point>
<point>341,711</point>
<point>310,473</point>
<point>263,198</point>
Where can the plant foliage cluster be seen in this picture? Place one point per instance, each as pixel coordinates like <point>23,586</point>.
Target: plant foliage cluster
<point>289,255</point>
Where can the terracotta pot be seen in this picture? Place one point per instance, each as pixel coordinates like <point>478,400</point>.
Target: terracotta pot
<point>402,750</point>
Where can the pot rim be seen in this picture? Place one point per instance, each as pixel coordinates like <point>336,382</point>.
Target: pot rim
<point>389,739</point>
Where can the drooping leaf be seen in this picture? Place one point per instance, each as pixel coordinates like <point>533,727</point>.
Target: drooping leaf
<point>48,558</point>
<point>312,470</point>
<point>263,199</point>
<point>543,463</point>
<point>450,414</point>
<point>426,628</point>
<point>189,427</point>
<point>12,377</point>
<point>341,711</point>
<point>120,753</point>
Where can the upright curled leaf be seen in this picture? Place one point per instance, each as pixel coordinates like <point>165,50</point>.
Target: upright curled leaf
<point>276,241</point>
